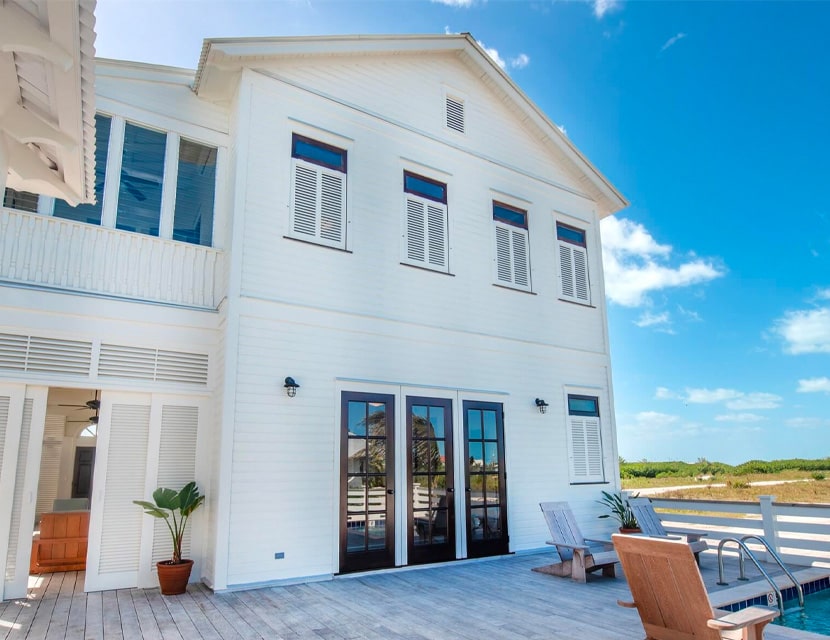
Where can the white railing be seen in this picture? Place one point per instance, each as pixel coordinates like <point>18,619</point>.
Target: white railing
<point>799,533</point>
<point>57,253</point>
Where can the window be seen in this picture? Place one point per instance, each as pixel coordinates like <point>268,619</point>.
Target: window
<point>512,260</point>
<point>318,192</point>
<point>573,264</point>
<point>91,213</point>
<point>20,200</point>
<point>585,439</point>
<point>195,188</point>
<point>142,175</point>
<point>425,222</point>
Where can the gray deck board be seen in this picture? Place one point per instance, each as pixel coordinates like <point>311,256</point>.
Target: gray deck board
<point>495,599</point>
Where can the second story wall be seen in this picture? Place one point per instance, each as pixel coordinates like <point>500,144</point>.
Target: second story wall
<point>480,284</point>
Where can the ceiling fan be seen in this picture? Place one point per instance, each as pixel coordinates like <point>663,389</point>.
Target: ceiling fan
<point>89,405</point>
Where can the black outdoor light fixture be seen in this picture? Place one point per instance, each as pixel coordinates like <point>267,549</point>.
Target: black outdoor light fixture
<point>291,387</point>
<point>541,405</point>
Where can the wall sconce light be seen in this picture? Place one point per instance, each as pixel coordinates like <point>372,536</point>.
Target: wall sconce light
<point>291,387</point>
<point>541,405</point>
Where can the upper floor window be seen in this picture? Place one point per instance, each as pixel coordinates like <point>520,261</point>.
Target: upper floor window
<point>166,184</point>
<point>20,200</point>
<point>318,192</point>
<point>512,252</point>
<point>584,439</point>
<point>425,222</point>
<point>573,264</point>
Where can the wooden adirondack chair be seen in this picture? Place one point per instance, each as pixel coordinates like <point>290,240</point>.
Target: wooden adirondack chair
<point>651,526</point>
<point>670,596</point>
<point>578,557</point>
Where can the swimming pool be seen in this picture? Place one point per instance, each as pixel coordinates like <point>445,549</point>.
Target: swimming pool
<point>814,617</point>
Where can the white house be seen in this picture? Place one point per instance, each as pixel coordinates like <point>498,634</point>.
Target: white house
<point>389,222</point>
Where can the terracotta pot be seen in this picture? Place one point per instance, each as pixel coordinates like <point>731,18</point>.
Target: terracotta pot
<point>630,531</point>
<point>173,578</point>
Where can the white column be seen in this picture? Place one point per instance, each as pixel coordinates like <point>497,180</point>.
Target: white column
<point>4,164</point>
<point>770,526</point>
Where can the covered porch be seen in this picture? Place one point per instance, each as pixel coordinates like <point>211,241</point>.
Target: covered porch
<point>497,598</point>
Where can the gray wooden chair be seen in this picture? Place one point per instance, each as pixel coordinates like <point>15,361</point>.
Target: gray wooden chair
<point>670,596</point>
<point>651,526</point>
<point>578,556</point>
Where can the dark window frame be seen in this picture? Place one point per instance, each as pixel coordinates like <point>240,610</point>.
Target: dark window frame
<point>501,205</point>
<point>562,225</point>
<point>343,153</point>
<point>423,194</point>
<point>578,412</point>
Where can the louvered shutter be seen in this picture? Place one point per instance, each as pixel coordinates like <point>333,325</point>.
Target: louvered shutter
<point>455,114</point>
<point>13,578</point>
<point>318,204</point>
<point>50,463</point>
<point>573,265</point>
<point>426,233</point>
<point>586,449</point>
<point>177,467</point>
<point>512,263</point>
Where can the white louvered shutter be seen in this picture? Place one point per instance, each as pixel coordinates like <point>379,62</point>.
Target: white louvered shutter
<point>426,233</point>
<point>573,265</point>
<point>455,114</point>
<point>12,577</point>
<point>177,467</point>
<point>50,463</point>
<point>318,204</point>
<point>512,261</point>
<point>586,449</point>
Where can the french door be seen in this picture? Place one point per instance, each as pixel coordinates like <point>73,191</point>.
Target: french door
<point>431,504</point>
<point>486,496</point>
<point>367,482</point>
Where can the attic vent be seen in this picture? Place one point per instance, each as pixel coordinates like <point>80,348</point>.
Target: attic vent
<point>139,363</point>
<point>44,355</point>
<point>455,114</point>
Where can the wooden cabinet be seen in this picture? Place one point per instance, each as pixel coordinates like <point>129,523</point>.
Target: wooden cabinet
<point>62,542</point>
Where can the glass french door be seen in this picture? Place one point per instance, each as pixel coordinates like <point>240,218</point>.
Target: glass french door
<point>484,474</point>
<point>367,482</point>
<point>431,509</point>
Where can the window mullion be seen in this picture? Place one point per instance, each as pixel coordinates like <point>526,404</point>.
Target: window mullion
<point>112,181</point>
<point>168,185</point>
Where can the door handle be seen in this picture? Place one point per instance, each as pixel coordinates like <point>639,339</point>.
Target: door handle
<point>390,491</point>
<point>468,490</point>
<point>450,490</point>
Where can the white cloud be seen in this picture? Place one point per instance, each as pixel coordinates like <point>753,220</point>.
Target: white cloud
<point>664,393</point>
<point>520,61</point>
<point>562,129</point>
<point>814,385</point>
<point>601,7</point>
<point>823,294</point>
<point>493,53</point>
<point>635,264</point>
<point>755,401</point>
<point>805,331</point>
<point>673,40</point>
<point>465,4</point>
<point>649,319</point>
<point>740,417</point>
<point>655,419</point>
<point>807,423</point>
<point>690,315</point>
<point>711,396</point>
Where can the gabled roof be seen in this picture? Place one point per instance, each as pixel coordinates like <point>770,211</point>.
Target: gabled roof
<point>222,59</point>
<point>47,97</point>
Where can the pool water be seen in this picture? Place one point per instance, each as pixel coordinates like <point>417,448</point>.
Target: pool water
<point>814,617</point>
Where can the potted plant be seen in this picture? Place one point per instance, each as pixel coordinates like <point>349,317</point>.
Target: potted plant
<point>175,507</point>
<point>621,511</point>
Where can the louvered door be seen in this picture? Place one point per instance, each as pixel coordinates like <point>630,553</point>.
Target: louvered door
<point>586,449</point>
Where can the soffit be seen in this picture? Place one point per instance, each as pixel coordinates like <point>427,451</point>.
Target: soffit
<point>47,96</point>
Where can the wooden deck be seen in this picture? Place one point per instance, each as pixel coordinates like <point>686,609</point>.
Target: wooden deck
<point>493,599</point>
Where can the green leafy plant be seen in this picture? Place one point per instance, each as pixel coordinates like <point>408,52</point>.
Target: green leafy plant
<point>167,504</point>
<point>619,509</point>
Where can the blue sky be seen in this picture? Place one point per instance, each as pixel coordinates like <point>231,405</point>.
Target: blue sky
<point>712,119</point>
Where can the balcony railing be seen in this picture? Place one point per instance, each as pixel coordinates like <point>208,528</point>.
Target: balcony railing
<point>62,254</point>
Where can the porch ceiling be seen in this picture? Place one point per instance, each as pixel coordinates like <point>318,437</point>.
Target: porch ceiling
<point>47,110</point>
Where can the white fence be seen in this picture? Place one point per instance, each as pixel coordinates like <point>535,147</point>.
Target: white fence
<point>800,533</point>
<point>53,252</point>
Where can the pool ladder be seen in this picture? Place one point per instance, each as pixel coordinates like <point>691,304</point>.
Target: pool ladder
<point>744,552</point>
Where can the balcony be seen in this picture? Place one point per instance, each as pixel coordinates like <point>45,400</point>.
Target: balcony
<point>54,253</point>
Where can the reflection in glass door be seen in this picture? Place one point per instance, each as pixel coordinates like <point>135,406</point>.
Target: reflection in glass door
<point>431,510</point>
<point>485,477</point>
<point>367,505</point>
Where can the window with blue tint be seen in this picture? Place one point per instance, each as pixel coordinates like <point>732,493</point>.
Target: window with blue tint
<point>195,188</point>
<point>570,234</point>
<point>142,173</point>
<point>510,215</point>
<point>583,406</point>
<point>424,187</point>
<point>91,213</point>
<point>20,200</point>
<point>318,153</point>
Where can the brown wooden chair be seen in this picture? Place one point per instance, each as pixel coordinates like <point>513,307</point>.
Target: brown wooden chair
<point>578,556</point>
<point>670,596</point>
<point>651,525</point>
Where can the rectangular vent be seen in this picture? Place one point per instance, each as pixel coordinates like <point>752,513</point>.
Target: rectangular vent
<point>157,365</point>
<point>455,114</point>
<point>45,355</point>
